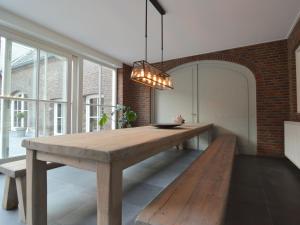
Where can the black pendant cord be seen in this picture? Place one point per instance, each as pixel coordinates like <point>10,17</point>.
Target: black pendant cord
<point>162,41</point>
<point>146,31</point>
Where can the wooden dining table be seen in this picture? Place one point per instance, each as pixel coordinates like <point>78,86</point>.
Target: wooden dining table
<point>107,153</point>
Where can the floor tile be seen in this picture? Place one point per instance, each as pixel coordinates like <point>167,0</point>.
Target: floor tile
<point>247,214</point>
<point>264,191</point>
<point>245,194</point>
<point>142,194</point>
<point>285,215</point>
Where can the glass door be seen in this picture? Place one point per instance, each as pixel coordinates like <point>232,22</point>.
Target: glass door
<point>33,95</point>
<point>98,95</point>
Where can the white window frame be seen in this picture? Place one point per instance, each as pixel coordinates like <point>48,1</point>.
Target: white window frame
<point>74,109</point>
<point>22,110</point>
<point>36,99</point>
<point>88,106</point>
<point>88,97</point>
<point>56,118</point>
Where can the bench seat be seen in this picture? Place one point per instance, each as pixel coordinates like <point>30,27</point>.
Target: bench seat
<point>199,195</point>
<point>15,185</point>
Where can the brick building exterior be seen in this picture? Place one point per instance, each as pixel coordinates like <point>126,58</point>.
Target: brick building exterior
<point>52,86</point>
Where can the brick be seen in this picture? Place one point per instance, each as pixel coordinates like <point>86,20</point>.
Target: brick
<point>273,65</point>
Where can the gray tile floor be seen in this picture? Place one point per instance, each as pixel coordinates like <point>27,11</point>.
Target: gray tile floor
<point>72,192</point>
<point>264,191</point>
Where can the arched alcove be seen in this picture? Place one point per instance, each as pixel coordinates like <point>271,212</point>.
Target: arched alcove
<point>219,92</point>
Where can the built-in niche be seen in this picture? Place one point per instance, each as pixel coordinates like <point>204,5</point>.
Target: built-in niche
<point>217,92</point>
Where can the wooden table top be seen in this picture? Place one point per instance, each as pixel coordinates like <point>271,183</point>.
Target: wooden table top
<point>107,146</point>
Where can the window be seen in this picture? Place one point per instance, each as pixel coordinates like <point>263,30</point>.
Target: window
<point>58,119</point>
<point>52,94</point>
<point>33,96</point>
<point>36,88</point>
<point>92,113</point>
<point>97,81</point>
<point>94,109</point>
<point>19,112</point>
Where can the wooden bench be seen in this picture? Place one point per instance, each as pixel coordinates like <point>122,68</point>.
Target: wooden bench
<point>199,195</point>
<point>15,185</point>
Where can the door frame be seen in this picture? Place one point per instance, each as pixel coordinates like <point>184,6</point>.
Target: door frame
<point>251,84</point>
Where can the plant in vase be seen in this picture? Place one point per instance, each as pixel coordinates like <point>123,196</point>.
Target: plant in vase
<point>125,116</point>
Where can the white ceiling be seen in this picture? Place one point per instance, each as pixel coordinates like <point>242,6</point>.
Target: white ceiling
<point>116,27</point>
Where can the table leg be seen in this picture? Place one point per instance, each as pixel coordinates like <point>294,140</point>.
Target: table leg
<point>109,194</point>
<point>36,190</point>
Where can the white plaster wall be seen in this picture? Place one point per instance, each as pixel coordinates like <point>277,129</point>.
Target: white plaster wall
<point>219,92</point>
<point>292,141</point>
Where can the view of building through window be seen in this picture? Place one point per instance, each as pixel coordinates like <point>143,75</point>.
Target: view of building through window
<point>97,95</point>
<point>33,95</point>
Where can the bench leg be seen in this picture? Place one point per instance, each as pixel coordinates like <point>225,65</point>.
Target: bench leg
<point>21,191</point>
<point>10,199</point>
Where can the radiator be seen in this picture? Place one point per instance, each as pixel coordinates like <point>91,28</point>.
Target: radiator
<point>292,141</point>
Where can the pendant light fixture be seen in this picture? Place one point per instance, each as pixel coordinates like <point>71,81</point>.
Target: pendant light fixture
<point>143,72</point>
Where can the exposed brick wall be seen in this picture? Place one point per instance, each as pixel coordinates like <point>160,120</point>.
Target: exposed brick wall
<point>293,44</point>
<point>132,94</point>
<point>268,62</point>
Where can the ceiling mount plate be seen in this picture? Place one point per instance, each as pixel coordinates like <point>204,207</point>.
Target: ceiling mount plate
<point>159,8</point>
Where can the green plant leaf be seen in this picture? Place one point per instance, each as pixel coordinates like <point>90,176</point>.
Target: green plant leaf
<point>120,108</point>
<point>131,116</point>
<point>103,120</point>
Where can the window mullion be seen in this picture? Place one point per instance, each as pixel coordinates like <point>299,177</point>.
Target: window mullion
<point>79,93</point>
<point>68,92</point>
<point>6,81</point>
<point>37,103</point>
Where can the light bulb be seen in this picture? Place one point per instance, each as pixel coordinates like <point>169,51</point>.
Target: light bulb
<point>132,74</point>
<point>142,73</point>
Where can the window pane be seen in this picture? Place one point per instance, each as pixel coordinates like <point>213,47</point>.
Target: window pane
<point>93,110</point>
<point>97,90</point>
<point>93,125</point>
<point>90,123</point>
<point>91,74</point>
<point>106,86</point>
<point>16,126</point>
<point>90,118</point>
<point>53,76</point>
<point>94,101</point>
<point>21,76</point>
<point>59,113</point>
<point>59,125</point>
<point>49,124</point>
<point>108,111</point>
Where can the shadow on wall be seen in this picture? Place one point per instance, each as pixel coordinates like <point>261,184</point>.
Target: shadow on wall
<point>218,130</point>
